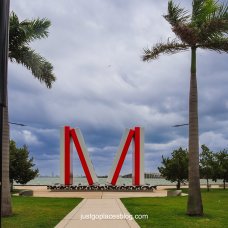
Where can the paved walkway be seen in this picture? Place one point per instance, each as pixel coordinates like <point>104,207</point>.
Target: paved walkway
<point>83,215</point>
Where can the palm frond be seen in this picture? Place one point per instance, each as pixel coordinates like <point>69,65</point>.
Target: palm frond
<point>221,12</point>
<point>171,47</point>
<point>216,44</point>
<point>176,14</point>
<point>22,33</point>
<point>197,9</point>
<point>35,29</point>
<point>16,37</point>
<point>179,19</point>
<point>14,18</point>
<point>202,9</point>
<point>208,10</point>
<point>215,24</point>
<point>213,28</point>
<point>38,65</point>
<point>186,33</point>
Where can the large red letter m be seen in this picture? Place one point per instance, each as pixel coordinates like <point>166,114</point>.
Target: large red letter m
<point>70,136</point>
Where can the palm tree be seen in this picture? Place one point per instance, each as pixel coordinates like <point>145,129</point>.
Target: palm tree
<point>20,36</point>
<point>205,28</point>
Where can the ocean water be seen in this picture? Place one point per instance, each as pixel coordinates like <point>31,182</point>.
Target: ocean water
<point>121,181</point>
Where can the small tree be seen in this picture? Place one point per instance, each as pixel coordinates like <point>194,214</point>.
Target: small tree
<point>221,169</point>
<point>207,164</point>
<point>21,166</point>
<point>175,169</point>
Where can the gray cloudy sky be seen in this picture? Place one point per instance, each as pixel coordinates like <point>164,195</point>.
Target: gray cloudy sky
<point>103,86</point>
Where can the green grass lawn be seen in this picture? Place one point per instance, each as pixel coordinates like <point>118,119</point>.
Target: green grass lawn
<point>38,211</point>
<point>170,212</point>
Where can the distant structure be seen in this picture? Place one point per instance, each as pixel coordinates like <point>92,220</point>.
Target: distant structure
<point>146,175</point>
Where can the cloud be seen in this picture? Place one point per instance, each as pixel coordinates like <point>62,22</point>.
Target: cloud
<point>214,140</point>
<point>104,87</point>
<point>26,136</point>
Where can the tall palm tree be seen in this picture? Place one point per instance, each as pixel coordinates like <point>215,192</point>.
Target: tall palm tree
<point>20,36</point>
<point>205,28</point>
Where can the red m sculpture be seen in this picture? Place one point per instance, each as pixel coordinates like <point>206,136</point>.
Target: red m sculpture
<point>70,136</point>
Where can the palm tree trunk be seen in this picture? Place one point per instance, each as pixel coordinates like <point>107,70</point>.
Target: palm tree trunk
<point>194,207</point>
<point>208,185</point>
<point>6,196</point>
<point>178,185</point>
<point>6,208</point>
